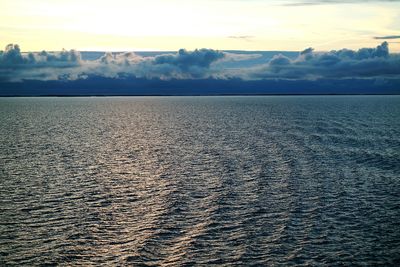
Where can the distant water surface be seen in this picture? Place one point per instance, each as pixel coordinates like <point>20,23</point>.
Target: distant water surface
<point>172,181</point>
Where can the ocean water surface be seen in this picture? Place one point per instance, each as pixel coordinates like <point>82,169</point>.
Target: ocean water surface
<point>183,181</point>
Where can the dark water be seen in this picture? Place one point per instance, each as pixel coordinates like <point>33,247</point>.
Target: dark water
<point>200,181</point>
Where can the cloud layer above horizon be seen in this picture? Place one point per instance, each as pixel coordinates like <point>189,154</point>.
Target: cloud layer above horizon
<point>200,64</point>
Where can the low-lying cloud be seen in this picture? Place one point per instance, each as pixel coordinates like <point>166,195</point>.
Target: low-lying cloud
<point>17,66</point>
<point>12,56</point>
<point>365,63</point>
<point>184,64</point>
<point>344,63</point>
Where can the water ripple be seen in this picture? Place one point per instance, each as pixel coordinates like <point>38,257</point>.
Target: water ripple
<point>227,181</point>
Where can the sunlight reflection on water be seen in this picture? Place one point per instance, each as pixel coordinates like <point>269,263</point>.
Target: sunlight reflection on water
<point>200,180</point>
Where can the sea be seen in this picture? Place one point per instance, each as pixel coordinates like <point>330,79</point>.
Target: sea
<point>200,181</point>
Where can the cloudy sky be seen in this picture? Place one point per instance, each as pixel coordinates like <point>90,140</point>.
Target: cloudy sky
<point>255,46</point>
<point>126,25</point>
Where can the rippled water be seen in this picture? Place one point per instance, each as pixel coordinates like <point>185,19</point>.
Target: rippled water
<point>200,180</point>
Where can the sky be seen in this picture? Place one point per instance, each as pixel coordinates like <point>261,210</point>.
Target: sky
<point>199,47</point>
<point>160,25</point>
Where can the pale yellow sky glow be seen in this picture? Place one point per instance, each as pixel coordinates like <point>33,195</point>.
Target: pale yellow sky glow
<point>220,24</point>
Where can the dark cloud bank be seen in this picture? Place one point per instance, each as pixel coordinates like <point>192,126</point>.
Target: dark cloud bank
<point>200,72</point>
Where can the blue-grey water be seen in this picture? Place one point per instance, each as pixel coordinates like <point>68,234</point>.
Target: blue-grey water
<point>182,181</point>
